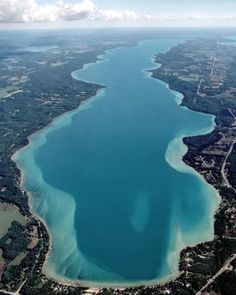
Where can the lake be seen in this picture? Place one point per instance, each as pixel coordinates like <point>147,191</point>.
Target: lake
<point>109,181</point>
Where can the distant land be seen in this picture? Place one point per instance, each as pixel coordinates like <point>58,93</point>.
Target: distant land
<point>203,70</point>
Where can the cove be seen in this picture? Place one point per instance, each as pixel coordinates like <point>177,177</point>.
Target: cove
<point>109,181</point>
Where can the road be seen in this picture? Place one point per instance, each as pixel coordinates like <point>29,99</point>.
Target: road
<point>225,266</point>
<point>213,67</point>
<point>223,170</point>
<point>199,86</point>
<point>17,292</point>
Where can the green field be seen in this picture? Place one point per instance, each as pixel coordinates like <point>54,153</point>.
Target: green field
<point>9,213</point>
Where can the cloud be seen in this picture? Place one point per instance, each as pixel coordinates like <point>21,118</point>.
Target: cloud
<point>67,11</point>
<point>27,11</point>
<point>205,17</point>
<point>30,11</point>
<point>113,15</point>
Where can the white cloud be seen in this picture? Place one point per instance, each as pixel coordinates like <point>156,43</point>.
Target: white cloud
<point>113,15</point>
<point>27,11</point>
<point>67,11</point>
<point>30,11</point>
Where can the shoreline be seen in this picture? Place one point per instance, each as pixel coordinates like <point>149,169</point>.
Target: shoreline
<point>75,111</point>
<point>179,97</point>
<point>201,250</point>
<point>68,115</point>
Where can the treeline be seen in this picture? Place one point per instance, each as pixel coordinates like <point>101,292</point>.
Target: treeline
<point>14,242</point>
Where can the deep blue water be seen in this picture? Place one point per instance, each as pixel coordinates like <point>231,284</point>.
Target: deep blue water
<point>101,177</point>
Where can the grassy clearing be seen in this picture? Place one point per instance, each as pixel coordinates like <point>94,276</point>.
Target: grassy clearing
<point>8,214</point>
<point>18,259</point>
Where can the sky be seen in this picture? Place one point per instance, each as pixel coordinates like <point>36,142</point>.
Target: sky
<point>95,13</point>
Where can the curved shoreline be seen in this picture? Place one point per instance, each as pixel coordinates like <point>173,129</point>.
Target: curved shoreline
<point>68,116</point>
<point>83,283</point>
<point>183,167</point>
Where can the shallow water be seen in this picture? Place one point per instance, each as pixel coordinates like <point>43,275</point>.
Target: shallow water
<point>109,181</point>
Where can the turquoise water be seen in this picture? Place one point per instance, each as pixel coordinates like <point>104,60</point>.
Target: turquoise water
<point>109,181</point>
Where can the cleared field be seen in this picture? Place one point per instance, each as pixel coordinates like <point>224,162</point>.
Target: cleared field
<point>8,214</point>
<point>18,259</point>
